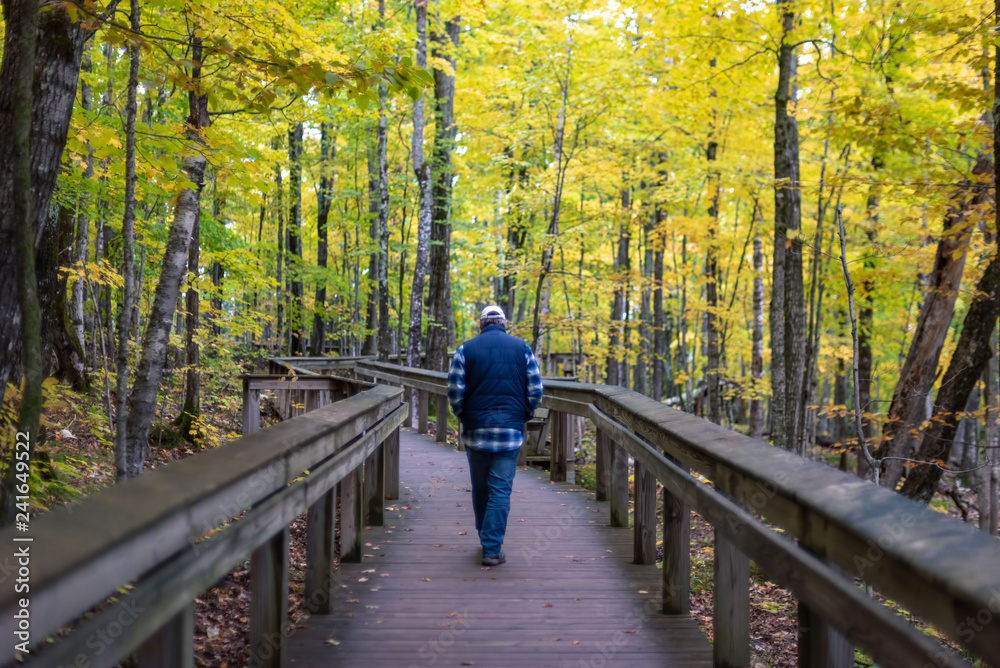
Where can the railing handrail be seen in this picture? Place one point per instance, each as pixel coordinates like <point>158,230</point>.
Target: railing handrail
<point>91,549</point>
<point>942,570</point>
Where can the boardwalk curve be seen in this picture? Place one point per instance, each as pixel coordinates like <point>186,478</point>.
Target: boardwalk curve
<point>567,596</point>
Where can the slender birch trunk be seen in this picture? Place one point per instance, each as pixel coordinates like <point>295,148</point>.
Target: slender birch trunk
<point>142,400</point>
<point>422,171</point>
<point>128,239</point>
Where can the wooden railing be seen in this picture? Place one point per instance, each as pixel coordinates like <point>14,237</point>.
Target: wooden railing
<point>814,530</point>
<point>156,542</point>
<point>152,544</point>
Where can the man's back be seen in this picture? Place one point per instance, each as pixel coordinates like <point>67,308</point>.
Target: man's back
<point>496,381</point>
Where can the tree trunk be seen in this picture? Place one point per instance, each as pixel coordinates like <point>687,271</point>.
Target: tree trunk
<point>756,420</point>
<point>916,379</point>
<point>384,330</point>
<point>142,400</point>
<point>19,222</point>
<point>128,256</point>
<point>622,266</point>
<point>660,337</point>
<point>839,399</point>
<point>218,274</point>
<point>422,170</point>
<point>965,448</point>
<point>70,359</point>
<point>807,416</point>
<point>296,323</point>
<point>324,199</point>
<point>989,490</point>
<point>685,390</point>
<point>967,363</point>
<point>374,201</point>
<point>517,233</point>
<point>279,297</point>
<point>57,48</point>
<point>787,302</point>
<point>866,319</point>
<point>82,232</point>
<point>440,318</point>
<point>645,313</point>
<point>191,412</point>
<point>561,162</point>
<point>713,353</point>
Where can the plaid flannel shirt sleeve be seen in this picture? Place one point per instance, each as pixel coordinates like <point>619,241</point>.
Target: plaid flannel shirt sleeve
<point>456,382</point>
<point>535,388</point>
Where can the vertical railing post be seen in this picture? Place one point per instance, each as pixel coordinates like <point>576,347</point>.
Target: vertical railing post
<point>251,408</point>
<point>321,542</point>
<point>313,400</point>
<point>731,617</point>
<point>391,448</point>
<point>676,555</point>
<point>351,516</point>
<point>375,488</point>
<point>321,537</point>
<point>820,644</point>
<point>572,425</point>
<point>442,419</point>
<point>173,645</point>
<point>284,401</point>
<point>644,538</point>
<point>269,602</point>
<point>603,464</point>
<point>557,454</point>
<point>618,485</point>
<point>408,400</point>
<point>423,403</point>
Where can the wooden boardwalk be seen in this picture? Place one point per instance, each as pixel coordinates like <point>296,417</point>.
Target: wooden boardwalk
<point>567,596</point>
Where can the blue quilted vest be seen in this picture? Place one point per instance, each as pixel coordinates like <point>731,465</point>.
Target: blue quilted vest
<point>496,381</point>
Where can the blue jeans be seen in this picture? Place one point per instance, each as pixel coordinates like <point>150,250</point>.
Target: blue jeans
<point>492,481</point>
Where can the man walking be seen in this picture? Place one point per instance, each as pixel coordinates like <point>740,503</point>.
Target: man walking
<point>494,387</point>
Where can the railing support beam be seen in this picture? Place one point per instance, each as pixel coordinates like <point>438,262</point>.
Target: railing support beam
<point>351,516</point>
<point>676,555</point>
<point>321,537</point>
<point>422,403</point>
<point>173,645</point>
<point>558,455</point>
<point>375,488</point>
<point>251,408</point>
<point>731,618</point>
<point>391,449</point>
<point>820,645</point>
<point>409,398</point>
<point>269,602</point>
<point>618,485</point>
<point>604,461</point>
<point>644,538</point>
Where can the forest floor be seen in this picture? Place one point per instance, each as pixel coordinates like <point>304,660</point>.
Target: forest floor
<point>79,449</point>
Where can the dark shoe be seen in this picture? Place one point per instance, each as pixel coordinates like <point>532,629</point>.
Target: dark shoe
<point>495,561</point>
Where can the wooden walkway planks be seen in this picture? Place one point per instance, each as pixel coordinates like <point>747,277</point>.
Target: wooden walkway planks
<point>567,596</point>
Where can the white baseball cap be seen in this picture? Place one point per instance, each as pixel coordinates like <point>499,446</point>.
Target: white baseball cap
<point>491,312</point>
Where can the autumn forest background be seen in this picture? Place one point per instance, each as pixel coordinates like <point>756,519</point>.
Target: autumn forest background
<point>779,216</point>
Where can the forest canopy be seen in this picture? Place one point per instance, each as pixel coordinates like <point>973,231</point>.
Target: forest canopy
<point>653,191</point>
